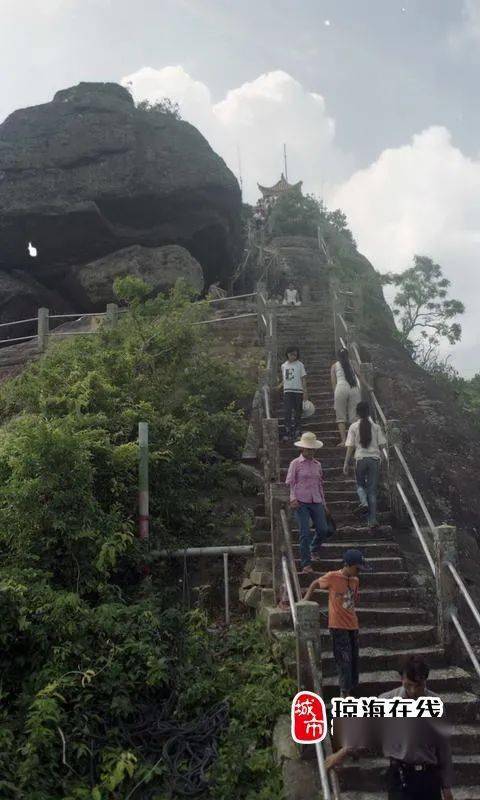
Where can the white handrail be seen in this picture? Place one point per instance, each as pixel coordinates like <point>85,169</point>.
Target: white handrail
<point>18,322</point>
<point>414,487</point>
<point>291,599</point>
<point>417,528</point>
<point>264,320</point>
<point>319,750</point>
<point>266,395</point>
<point>464,591</point>
<point>465,642</point>
<point>19,339</point>
<point>343,322</point>
<point>232,297</point>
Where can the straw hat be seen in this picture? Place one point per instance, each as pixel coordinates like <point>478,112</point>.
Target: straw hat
<point>309,441</point>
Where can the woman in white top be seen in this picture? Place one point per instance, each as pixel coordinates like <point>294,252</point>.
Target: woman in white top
<point>346,393</point>
<point>290,297</point>
<point>365,439</point>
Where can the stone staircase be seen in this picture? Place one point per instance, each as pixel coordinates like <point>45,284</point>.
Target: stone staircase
<point>392,621</point>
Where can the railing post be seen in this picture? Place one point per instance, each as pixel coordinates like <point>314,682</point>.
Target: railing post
<point>394,437</point>
<point>308,616</point>
<point>278,500</point>
<point>445,547</point>
<point>43,328</point>
<point>112,314</point>
<point>143,489</point>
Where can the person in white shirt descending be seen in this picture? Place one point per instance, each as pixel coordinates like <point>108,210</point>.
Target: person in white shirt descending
<point>294,386</point>
<point>365,438</point>
<point>291,297</point>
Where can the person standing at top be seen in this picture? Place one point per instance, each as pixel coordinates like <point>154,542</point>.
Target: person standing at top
<point>343,585</point>
<point>365,439</point>
<point>294,384</point>
<point>291,296</point>
<point>346,393</point>
<point>307,498</point>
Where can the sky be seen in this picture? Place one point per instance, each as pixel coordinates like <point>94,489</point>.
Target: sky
<point>376,101</point>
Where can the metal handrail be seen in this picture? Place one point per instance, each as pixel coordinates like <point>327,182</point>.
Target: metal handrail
<point>291,598</point>
<point>78,316</point>
<point>266,397</point>
<point>414,487</point>
<point>231,297</point>
<point>464,590</point>
<point>289,552</point>
<point>465,642</point>
<point>19,339</point>
<point>18,322</point>
<point>417,528</point>
<point>343,322</point>
<point>264,320</point>
<point>318,745</point>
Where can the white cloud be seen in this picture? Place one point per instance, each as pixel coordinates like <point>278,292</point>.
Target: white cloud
<point>255,118</point>
<point>418,198</point>
<point>422,198</point>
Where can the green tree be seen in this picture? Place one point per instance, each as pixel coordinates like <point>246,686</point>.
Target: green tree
<point>424,313</point>
<point>295,214</point>
<point>163,106</point>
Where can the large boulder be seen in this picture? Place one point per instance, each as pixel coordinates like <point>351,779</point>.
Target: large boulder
<point>89,174</point>
<point>159,267</point>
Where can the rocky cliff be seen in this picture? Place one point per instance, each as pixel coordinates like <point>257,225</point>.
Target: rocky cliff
<point>87,175</point>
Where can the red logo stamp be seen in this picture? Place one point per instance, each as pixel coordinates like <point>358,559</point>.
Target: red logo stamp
<point>309,718</point>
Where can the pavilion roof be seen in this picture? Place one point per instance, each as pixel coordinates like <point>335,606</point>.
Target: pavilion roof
<point>281,186</point>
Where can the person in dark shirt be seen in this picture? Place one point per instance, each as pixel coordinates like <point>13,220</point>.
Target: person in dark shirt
<point>418,748</point>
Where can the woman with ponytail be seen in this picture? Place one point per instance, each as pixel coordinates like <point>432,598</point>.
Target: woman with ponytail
<point>346,392</point>
<point>365,438</point>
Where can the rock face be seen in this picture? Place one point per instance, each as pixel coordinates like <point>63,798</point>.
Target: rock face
<point>159,267</point>
<point>88,174</point>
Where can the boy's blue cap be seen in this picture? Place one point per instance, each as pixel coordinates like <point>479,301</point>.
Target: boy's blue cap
<point>354,558</point>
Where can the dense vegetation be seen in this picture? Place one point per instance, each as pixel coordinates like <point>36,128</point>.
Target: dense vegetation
<point>295,214</point>
<point>94,657</point>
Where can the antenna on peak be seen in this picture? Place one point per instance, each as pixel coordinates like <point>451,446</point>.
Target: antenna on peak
<point>285,161</point>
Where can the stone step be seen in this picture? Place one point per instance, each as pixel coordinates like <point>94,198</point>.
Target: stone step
<point>332,549</point>
<point>369,773</point>
<point>367,579</point>
<point>379,564</point>
<point>368,617</point>
<point>372,684</point>
<point>371,658</point>
<point>393,595</point>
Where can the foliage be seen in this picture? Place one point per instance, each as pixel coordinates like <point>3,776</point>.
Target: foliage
<point>295,214</point>
<point>423,311</point>
<point>84,641</point>
<point>164,106</point>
